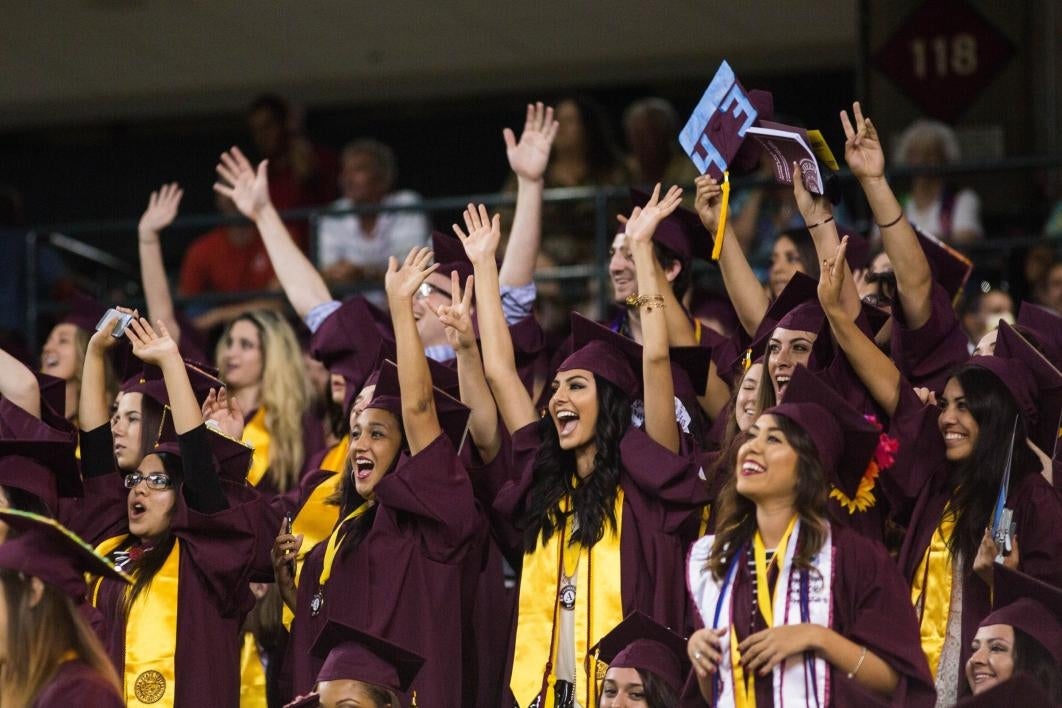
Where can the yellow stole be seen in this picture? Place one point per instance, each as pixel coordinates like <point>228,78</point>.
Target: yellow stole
<point>252,675</point>
<point>598,608</point>
<point>931,590</point>
<point>256,435</point>
<point>150,634</point>
<point>317,518</point>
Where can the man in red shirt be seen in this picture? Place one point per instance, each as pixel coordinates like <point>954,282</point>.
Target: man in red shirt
<point>228,258</point>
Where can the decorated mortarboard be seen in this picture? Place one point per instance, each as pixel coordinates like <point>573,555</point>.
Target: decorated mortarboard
<point>349,654</point>
<point>618,359</point>
<point>149,382</point>
<point>639,642</point>
<point>1028,604</point>
<point>1020,687</point>
<point>450,254</point>
<point>453,415</point>
<point>1046,326</point>
<point>47,550</point>
<point>44,466</point>
<point>846,440</point>
<point>681,232</point>
<point>1032,380</point>
<point>950,268</point>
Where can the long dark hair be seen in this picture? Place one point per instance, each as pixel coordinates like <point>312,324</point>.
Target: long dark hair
<point>144,569</point>
<point>975,481</point>
<point>593,498</point>
<point>1032,658</point>
<point>658,694</point>
<point>736,523</point>
<point>805,247</point>
<point>602,156</point>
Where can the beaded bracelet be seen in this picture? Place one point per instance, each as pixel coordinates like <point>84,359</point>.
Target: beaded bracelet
<point>650,300</point>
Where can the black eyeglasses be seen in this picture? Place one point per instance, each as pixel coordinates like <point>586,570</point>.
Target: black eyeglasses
<point>426,289</point>
<point>155,480</point>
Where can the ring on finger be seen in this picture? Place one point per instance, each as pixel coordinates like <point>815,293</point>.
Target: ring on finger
<point>697,654</point>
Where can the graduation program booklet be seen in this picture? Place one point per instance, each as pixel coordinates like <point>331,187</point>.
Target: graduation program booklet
<point>786,144</point>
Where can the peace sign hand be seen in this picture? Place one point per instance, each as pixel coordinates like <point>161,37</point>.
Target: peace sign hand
<point>862,147</point>
<point>457,316</point>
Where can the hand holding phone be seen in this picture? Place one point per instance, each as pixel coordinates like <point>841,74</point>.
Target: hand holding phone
<point>122,321</point>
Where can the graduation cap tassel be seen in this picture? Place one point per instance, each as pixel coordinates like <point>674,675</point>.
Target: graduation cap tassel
<point>717,247</point>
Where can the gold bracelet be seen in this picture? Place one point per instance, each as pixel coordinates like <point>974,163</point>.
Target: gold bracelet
<point>650,300</point>
<point>859,664</point>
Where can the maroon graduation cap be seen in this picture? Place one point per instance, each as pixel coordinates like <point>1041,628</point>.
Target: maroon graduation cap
<point>618,359</point>
<point>639,642</point>
<point>44,467</point>
<point>950,268</point>
<point>681,232</point>
<point>352,341</point>
<point>149,382</point>
<point>450,255</point>
<point>232,457</point>
<point>844,438</point>
<point>1046,326</point>
<point>1028,604</point>
<point>353,655</point>
<point>453,415</point>
<point>797,306</point>
<point>45,549</point>
<point>85,311</point>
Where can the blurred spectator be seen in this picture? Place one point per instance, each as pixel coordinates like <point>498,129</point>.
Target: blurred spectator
<point>651,128</point>
<point>356,246</point>
<point>300,173</point>
<point>1052,290</point>
<point>229,258</point>
<point>984,311</point>
<point>953,216</point>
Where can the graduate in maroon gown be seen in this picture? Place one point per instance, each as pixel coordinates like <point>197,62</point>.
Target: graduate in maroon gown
<point>394,563</point>
<point>646,664</point>
<point>594,505</point>
<point>797,610</point>
<point>50,656</point>
<point>948,477</point>
<point>1023,635</point>
<point>188,543</point>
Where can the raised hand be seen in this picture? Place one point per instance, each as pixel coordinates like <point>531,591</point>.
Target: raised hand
<point>247,188</point>
<point>457,316</point>
<point>401,282</point>
<point>529,157</point>
<point>642,223</point>
<point>161,209</point>
<point>831,280</point>
<point>101,339</point>
<point>225,411</point>
<point>484,233</point>
<point>986,557</point>
<point>862,147</point>
<point>150,346</point>
<point>815,208</point>
<point>708,201</point>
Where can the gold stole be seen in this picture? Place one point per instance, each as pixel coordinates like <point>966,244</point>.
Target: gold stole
<point>598,608</point>
<point>150,634</point>
<point>256,435</point>
<point>317,518</point>
<point>252,675</point>
<point>931,590</point>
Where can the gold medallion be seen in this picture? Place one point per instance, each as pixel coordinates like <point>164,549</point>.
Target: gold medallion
<point>150,687</point>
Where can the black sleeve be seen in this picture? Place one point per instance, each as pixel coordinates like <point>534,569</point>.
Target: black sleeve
<point>202,486</point>
<point>97,451</point>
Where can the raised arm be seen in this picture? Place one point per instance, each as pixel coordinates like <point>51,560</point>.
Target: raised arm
<point>745,290</point>
<point>481,243</point>
<point>160,349</point>
<point>94,405</point>
<point>528,159</point>
<point>818,217</point>
<point>160,213</point>
<point>419,418</point>
<point>658,389</point>
<point>475,393</point>
<point>866,159</point>
<point>874,368</point>
<point>19,385</point>
<point>249,190</point>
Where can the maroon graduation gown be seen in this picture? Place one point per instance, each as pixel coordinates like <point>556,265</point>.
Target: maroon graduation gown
<point>77,683</point>
<point>918,487</point>
<point>926,355</point>
<point>658,489</point>
<point>403,582</point>
<point>217,552</point>
<point>871,607</point>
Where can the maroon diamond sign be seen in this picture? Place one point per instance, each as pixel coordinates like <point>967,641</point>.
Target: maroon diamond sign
<point>943,56</point>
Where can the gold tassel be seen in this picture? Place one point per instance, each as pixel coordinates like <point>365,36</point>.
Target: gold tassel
<point>717,247</point>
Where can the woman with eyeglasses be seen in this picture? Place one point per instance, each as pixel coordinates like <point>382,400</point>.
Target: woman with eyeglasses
<point>175,634</point>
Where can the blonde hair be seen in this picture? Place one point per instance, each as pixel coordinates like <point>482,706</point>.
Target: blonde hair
<point>285,393</point>
<point>39,637</point>
<point>928,132</point>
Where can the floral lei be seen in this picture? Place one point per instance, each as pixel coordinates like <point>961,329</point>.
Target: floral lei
<point>884,457</point>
